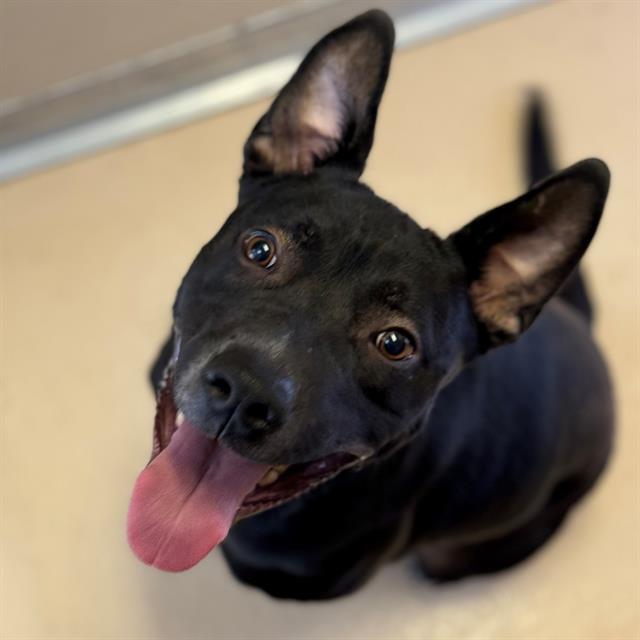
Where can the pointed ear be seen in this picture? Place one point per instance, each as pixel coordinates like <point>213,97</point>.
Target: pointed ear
<point>327,111</point>
<point>518,255</point>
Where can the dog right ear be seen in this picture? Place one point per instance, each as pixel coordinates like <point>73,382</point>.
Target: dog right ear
<point>518,255</point>
<point>326,113</point>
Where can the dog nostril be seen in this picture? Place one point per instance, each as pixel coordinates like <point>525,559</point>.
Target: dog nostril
<point>218,386</point>
<point>259,415</point>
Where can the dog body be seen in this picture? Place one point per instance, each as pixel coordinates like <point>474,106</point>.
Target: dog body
<point>500,460</point>
<point>390,387</point>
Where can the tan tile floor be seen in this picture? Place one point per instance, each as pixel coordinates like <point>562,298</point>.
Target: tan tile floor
<point>92,253</point>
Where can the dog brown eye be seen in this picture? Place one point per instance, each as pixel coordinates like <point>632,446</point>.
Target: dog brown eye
<point>395,344</point>
<point>260,248</point>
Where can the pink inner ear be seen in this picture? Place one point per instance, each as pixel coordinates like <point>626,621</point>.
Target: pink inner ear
<point>309,128</point>
<point>321,110</point>
<point>332,91</point>
<point>513,278</point>
<point>515,271</point>
<point>489,294</point>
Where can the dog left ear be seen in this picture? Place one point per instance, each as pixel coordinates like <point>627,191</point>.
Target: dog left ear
<point>327,111</point>
<point>518,255</point>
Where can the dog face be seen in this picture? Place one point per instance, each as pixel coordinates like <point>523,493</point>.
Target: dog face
<point>315,329</point>
<point>321,320</point>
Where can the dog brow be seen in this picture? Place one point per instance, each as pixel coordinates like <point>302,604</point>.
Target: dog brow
<point>390,293</point>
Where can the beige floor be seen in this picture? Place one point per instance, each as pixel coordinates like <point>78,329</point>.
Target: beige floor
<point>92,253</point>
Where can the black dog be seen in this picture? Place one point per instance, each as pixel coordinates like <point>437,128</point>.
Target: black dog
<point>323,332</point>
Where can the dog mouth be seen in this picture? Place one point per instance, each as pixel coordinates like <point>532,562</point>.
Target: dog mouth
<point>279,484</point>
<point>194,489</point>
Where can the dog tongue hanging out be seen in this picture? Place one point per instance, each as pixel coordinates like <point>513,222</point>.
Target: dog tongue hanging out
<point>342,393</point>
<point>184,502</point>
<point>188,496</point>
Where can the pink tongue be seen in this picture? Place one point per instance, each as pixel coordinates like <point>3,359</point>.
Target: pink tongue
<point>184,502</point>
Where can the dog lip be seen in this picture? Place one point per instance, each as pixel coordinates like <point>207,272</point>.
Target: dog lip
<point>362,452</point>
<point>287,483</point>
<point>169,416</point>
<point>279,484</point>
<point>294,481</point>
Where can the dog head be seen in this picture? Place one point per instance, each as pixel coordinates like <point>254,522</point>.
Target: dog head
<point>314,331</point>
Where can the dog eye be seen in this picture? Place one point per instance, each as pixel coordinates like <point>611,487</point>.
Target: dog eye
<point>260,248</point>
<point>395,344</point>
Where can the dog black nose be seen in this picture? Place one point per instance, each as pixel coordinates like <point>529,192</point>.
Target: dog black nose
<point>259,416</point>
<point>242,397</point>
<point>220,388</point>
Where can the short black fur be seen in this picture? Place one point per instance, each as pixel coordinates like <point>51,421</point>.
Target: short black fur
<point>486,445</point>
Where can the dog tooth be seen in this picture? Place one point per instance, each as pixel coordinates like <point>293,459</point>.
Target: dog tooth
<point>269,478</point>
<point>179,418</point>
<point>281,468</point>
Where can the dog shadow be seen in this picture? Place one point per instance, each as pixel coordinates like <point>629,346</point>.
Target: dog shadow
<point>208,602</point>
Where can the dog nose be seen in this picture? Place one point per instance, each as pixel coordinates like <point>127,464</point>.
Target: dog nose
<point>219,386</point>
<point>239,391</point>
<point>259,416</point>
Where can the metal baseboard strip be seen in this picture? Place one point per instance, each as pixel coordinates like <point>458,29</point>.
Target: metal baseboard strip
<point>201,77</point>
